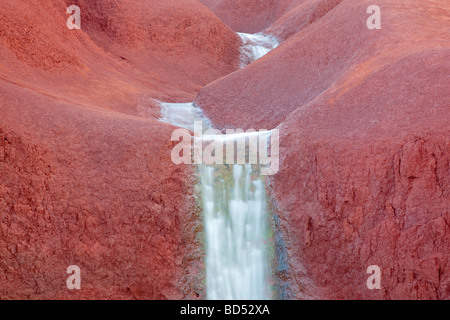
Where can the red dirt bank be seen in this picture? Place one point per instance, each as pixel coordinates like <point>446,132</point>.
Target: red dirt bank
<point>364,169</point>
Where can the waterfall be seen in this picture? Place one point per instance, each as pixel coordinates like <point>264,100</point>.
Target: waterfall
<point>256,46</point>
<point>238,233</point>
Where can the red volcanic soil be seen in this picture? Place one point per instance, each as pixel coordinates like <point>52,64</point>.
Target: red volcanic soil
<point>364,169</point>
<point>338,50</point>
<point>94,189</point>
<point>122,57</point>
<point>371,184</point>
<point>86,174</point>
<point>250,16</point>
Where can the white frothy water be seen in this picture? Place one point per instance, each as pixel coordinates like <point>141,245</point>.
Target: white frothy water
<point>236,227</point>
<point>255,46</point>
<point>236,221</point>
<point>183,115</point>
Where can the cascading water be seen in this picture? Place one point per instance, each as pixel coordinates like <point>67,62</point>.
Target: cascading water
<point>236,220</point>
<point>255,46</point>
